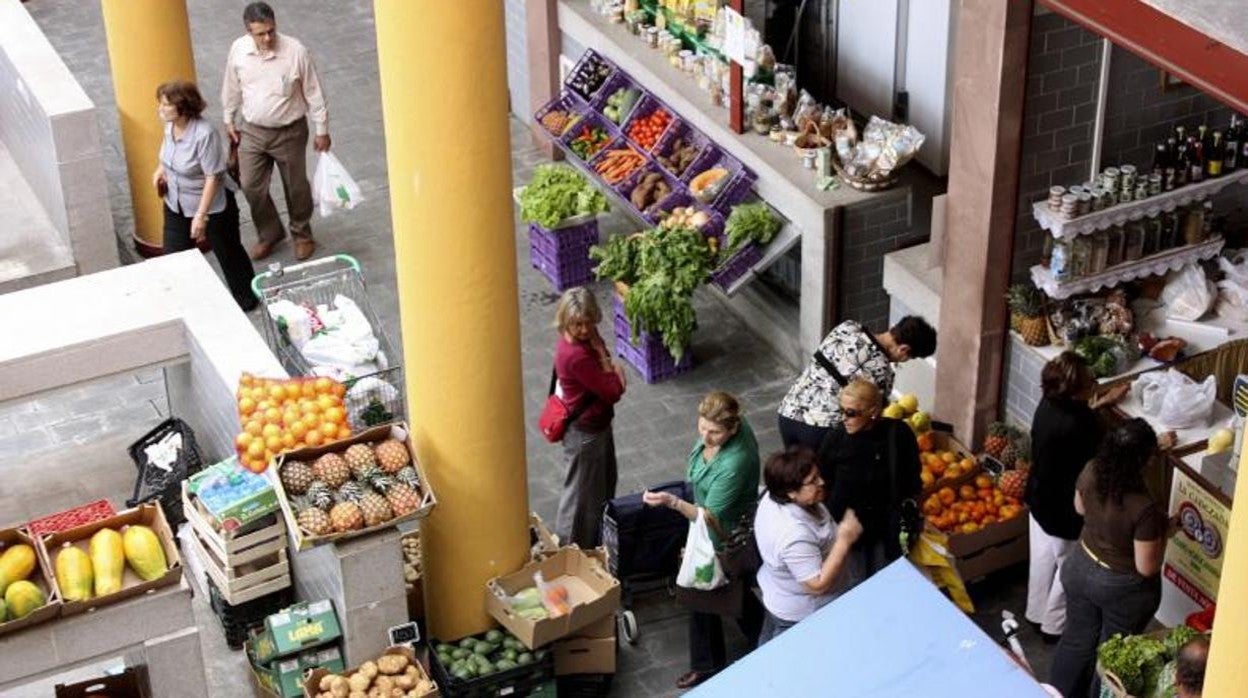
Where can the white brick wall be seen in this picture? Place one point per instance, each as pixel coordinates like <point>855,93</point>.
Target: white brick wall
<point>1022,382</point>
<point>517,60</point>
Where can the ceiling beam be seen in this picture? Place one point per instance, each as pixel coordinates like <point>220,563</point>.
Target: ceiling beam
<point>1211,66</point>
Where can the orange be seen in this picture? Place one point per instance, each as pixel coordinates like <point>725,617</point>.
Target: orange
<point>982,481</point>
<point>938,467</point>
<point>246,379</point>
<point>310,407</point>
<point>947,495</point>
<point>948,456</point>
<point>968,464</point>
<point>255,449</point>
<point>243,440</point>
<point>297,429</point>
<point>254,427</point>
<point>967,493</point>
<point>246,406</point>
<point>954,472</point>
<point>339,389</point>
<point>329,430</point>
<point>326,401</point>
<point>273,415</point>
<point>277,393</point>
<point>969,527</point>
<point>344,432</point>
<point>271,429</point>
<point>273,443</point>
<point>925,441</point>
<point>336,415</point>
<point>288,441</point>
<point>927,477</point>
<point>307,388</point>
<point>314,438</point>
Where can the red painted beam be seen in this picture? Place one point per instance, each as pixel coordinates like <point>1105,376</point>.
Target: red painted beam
<point>1213,67</point>
<point>736,85</point>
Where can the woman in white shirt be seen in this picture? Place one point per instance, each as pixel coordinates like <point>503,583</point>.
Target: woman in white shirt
<point>804,551</point>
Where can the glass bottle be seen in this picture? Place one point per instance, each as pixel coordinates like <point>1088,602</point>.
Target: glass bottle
<point>1152,236</point>
<point>1193,225</point>
<point>1113,254</point>
<point>1100,252</point>
<point>1133,241</point>
<point>1080,256</point>
<point>1046,252</point>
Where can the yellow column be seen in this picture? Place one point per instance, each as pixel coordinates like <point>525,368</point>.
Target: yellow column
<point>1227,672</point>
<point>149,42</point>
<point>444,102</point>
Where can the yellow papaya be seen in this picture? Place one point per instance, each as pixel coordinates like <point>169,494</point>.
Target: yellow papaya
<point>108,561</point>
<point>4,610</point>
<point>144,552</point>
<point>73,574</point>
<point>23,598</point>
<point>16,564</point>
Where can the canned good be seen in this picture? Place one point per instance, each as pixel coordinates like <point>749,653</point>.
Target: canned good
<point>1055,198</point>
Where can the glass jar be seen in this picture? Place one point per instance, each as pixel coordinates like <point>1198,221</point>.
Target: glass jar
<point>1059,260</point>
<point>1100,253</point>
<point>1132,241</point>
<point>1152,236</point>
<point>1193,225</point>
<point>1046,251</point>
<point>1113,253</point>
<point>1080,256</point>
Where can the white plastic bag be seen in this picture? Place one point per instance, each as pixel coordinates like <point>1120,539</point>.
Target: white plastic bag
<point>700,567</point>
<point>1233,290</point>
<point>332,187</point>
<point>1188,294</point>
<point>1177,401</point>
<point>347,341</point>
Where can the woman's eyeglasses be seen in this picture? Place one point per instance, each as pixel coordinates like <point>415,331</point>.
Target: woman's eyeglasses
<point>851,413</point>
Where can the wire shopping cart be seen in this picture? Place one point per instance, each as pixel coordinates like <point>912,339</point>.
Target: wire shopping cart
<point>375,387</point>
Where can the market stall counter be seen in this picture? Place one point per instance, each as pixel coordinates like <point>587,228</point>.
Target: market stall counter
<point>817,216</point>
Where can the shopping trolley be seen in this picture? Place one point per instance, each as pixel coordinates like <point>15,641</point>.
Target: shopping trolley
<point>643,547</point>
<point>373,397</point>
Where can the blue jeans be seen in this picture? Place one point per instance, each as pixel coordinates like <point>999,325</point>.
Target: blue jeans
<point>772,626</point>
<point>1099,603</point>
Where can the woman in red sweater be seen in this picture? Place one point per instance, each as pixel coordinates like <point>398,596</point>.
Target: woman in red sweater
<point>589,382</point>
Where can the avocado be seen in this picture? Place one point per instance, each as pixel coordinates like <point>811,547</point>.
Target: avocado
<point>505,664</point>
<point>461,653</point>
<point>494,636</point>
<point>524,658</point>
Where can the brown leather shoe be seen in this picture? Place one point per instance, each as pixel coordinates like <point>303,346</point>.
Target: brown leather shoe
<point>304,249</point>
<point>693,678</point>
<point>262,250</point>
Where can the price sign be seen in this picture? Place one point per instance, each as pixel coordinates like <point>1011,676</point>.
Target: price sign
<point>405,634</point>
<point>734,36</point>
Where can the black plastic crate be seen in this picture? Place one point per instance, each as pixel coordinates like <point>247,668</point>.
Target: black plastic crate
<point>584,685</point>
<point>517,682</point>
<point>154,483</point>
<point>238,621</point>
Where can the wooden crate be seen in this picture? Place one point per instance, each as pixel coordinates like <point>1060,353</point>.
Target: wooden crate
<point>228,547</point>
<point>247,580</point>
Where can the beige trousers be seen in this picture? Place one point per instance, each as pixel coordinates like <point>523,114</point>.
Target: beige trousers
<point>286,147</point>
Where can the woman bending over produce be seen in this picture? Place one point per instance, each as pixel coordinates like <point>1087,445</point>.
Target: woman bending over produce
<point>589,382</point>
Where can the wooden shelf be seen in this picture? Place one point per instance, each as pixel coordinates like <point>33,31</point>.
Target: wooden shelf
<point>1066,228</point>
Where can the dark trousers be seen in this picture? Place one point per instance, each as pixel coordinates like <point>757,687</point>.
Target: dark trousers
<point>1099,603</point>
<point>224,237</point>
<point>588,483</point>
<point>793,432</point>
<point>706,634</point>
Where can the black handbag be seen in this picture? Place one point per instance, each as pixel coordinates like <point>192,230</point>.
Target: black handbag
<point>739,556</point>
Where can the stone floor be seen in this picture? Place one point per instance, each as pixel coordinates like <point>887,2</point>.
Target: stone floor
<point>654,424</point>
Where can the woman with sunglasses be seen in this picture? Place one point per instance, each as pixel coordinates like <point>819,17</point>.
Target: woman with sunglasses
<point>804,551</point>
<point>870,464</point>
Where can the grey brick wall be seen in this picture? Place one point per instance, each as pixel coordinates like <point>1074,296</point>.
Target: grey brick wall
<point>1063,67</point>
<point>1022,382</point>
<point>517,60</point>
<point>871,231</point>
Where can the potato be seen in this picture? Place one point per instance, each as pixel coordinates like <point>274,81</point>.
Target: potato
<point>391,663</point>
<point>375,692</point>
<point>360,682</point>
<point>369,669</point>
<point>327,681</point>
<point>405,681</point>
<point>385,683</point>
<point>357,694</point>
<point>339,687</point>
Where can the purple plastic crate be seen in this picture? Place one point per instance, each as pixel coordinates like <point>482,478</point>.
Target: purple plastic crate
<point>614,83</point>
<point>618,143</point>
<point>708,159</point>
<point>565,102</point>
<point>563,271</point>
<point>651,359</point>
<point>737,266</point>
<point>645,107</point>
<point>626,191</point>
<point>590,120</point>
<point>580,235</point>
<point>737,190</point>
<point>589,56</point>
<point>677,199</point>
<point>688,134</point>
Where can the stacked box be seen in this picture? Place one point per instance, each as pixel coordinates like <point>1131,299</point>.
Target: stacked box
<point>562,254</point>
<point>648,355</point>
<point>294,641</point>
<point>239,620</point>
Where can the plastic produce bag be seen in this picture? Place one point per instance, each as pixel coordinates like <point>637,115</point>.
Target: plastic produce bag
<point>700,567</point>
<point>1232,300</point>
<point>1177,401</point>
<point>931,555</point>
<point>347,342</point>
<point>1188,294</point>
<point>332,186</point>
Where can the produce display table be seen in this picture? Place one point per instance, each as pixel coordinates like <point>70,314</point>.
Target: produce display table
<point>157,629</point>
<point>894,635</point>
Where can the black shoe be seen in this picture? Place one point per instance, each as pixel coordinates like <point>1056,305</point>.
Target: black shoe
<point>693,678</point>
<point>249,304</point>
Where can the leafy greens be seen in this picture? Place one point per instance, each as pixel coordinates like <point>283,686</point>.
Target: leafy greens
<point>557,193</point>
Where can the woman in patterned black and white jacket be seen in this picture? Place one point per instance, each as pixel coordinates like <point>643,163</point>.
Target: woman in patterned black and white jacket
<point>812,406</point>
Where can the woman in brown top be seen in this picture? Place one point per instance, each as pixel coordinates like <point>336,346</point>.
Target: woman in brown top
<point>1111,580</point>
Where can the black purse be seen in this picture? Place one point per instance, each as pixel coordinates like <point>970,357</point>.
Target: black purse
<point>739,556</point>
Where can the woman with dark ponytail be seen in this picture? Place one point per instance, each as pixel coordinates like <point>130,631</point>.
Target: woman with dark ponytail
<point>1112,582</point>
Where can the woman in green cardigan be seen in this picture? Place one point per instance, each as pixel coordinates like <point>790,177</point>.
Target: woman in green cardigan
<point>724,471</point>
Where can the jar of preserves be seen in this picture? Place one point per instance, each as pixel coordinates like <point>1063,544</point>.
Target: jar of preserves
<point>1132,241</point>
<point>1080,256</point>
<point>1099,259</point>
<point>1113,253</point>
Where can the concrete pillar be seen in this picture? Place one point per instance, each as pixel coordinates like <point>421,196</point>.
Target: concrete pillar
<point>449,159</point>
<point>544,45</point>
<point>991,70</point>
<point>1227,672</point>
<point>149,42</point>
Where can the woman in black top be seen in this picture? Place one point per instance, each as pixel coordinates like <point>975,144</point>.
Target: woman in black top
<point>855,464</point>
<point>1065,432</point>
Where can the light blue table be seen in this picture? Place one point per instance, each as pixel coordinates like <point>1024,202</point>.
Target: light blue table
<point>894,635</point>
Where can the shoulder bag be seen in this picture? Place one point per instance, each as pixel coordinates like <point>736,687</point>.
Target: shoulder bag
<point>555,417</point>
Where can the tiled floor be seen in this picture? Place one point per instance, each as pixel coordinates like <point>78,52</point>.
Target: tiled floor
<point>654,424</point>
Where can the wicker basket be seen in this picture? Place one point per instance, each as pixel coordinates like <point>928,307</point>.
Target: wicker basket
<point>866,184</point>
<point>810,141</point>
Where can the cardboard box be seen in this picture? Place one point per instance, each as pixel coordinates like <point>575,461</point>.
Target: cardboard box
<point>590,652</point>
<point>296,629</point>
<point>592,594</point>
<point>991,548</point>
<point>397,430</point>
<point>544,542</point>
<point>231,496</point>
<point>311,685</point>
<point>41,577</point>
<point>284,677</point>
<point>150,515</point>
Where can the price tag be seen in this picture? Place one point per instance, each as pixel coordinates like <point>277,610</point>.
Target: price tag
<point>405,634</point>
<point>734,35</point>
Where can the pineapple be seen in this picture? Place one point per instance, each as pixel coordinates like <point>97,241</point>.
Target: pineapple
<point>392,455</point>
<point>359,457</point>
<point>403,499</point>
<point>998,439</point>
<point>1013,482</point>
<point>332,469</point>
<point>350,492</point>
<point>315,521</point>
<point>296,476</point>
<point>1027,314</point>
<point>346,516</point>
<point>320,495</point>
<point>375,508</point>
<point>409,477</point>
<point>1009,455</point>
